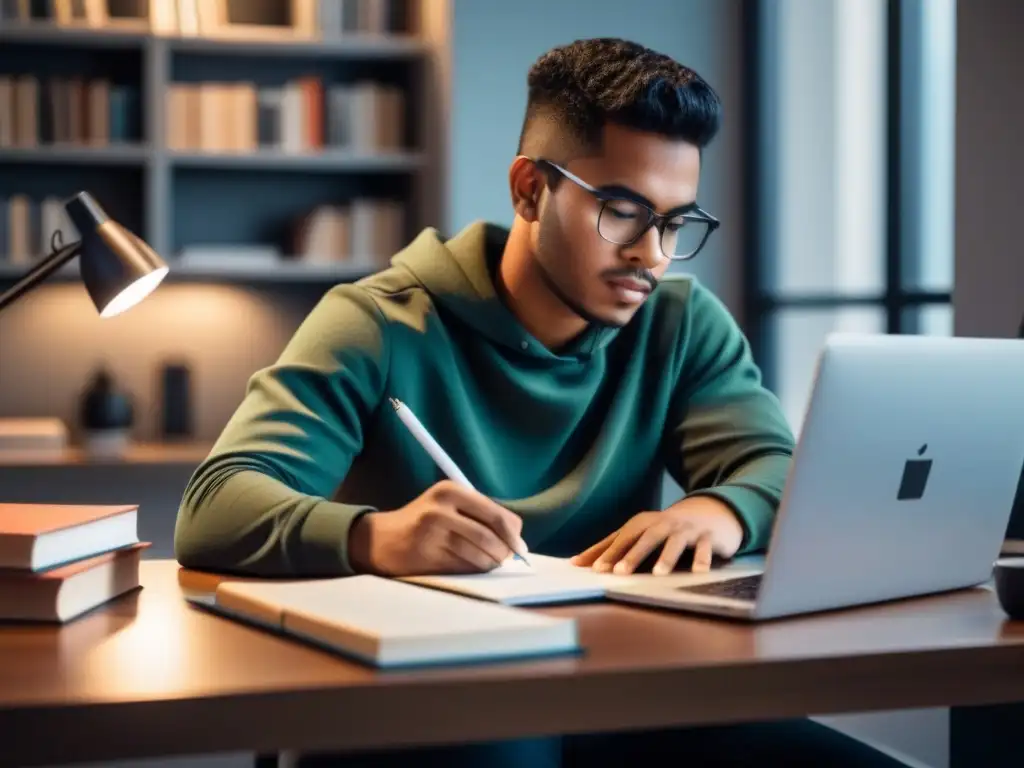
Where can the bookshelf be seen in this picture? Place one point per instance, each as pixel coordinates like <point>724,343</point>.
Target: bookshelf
<point>132,119</point>
<point>164,454</point>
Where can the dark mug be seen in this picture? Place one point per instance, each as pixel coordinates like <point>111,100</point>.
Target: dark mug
<point>1009,577</point>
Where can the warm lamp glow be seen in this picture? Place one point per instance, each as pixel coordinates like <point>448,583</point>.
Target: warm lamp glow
<point>134,293</point>
<point>118,268</point>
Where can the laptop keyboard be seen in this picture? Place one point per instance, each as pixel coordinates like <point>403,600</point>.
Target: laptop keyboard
<point>743,588</point>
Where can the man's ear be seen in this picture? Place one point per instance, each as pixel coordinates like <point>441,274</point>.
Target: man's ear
<point>525,184</point>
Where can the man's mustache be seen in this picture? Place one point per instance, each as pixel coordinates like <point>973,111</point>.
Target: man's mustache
<point>635,273</point>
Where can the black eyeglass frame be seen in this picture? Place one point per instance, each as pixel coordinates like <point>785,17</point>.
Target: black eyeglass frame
<point>659,220</point>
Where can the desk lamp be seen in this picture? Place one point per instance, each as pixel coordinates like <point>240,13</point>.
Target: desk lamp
<point>118,269</point>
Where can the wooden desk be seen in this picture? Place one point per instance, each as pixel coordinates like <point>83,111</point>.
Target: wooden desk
<point>149,675</point>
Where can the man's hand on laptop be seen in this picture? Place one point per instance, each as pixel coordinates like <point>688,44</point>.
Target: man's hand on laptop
<point>705,525</point>
<point>447,529</point>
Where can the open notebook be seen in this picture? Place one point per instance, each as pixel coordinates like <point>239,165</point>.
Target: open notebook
<point>389,623</point>
<point>545,580</point>
<point>549,580</point>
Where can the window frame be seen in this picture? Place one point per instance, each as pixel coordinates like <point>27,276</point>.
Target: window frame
<point>760,304</point>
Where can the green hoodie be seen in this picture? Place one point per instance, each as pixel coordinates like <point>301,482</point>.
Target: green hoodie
<point>575,441</point>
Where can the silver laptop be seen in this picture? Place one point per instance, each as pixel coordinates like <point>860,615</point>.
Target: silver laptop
<point>901,485</point>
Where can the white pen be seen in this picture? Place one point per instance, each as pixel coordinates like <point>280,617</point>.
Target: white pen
<point>442,459</point>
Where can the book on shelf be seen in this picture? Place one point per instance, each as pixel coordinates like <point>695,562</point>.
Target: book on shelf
<point>38,436</point>
<point>27,226</point>
<point>236,257</point>
<point>362,232</point>
<point>58,561</point>
<point>95,14</point>
<point>281,19</point>
<point>354,16</point>
<point>300,18</point>
<point>302,115</point>
<point>70,111</point>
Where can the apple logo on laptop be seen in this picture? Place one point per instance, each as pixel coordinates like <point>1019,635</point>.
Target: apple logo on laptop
<point>915,476</point>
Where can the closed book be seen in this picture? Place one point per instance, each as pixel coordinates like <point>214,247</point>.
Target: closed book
<point>37,537</point>
<point>389,623</point>
<point>33,435</point>
<point>65,593</point>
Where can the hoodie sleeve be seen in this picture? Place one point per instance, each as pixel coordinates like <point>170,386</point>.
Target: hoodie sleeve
<point>727,436</point>
<point>259,502</point>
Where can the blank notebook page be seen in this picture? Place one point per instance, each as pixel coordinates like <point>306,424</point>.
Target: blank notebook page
<point>546,579</point>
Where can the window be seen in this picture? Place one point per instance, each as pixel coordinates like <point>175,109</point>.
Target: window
<point>852,178</point>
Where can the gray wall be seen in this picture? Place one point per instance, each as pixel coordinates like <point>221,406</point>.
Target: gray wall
<point>988,295</point>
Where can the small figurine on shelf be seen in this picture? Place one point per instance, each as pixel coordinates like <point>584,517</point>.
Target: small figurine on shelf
<point>106,417</point>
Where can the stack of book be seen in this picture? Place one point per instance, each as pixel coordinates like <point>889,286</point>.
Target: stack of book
<point>39,110</point>
<point>58,561</point>
<point>302,115</point>
<point>27,226</point>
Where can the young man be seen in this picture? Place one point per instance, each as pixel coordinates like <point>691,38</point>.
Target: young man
<point>554,367</point>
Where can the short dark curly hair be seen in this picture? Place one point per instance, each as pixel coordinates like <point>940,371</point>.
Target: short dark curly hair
<point>576,89</point>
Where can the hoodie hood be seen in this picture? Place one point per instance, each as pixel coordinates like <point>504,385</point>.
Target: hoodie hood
<point>459,274</point>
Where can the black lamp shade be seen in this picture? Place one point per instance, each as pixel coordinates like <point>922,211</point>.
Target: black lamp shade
<point>118,268</point>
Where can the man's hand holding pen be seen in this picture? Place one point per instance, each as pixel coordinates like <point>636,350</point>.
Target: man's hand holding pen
<point>447,529</point>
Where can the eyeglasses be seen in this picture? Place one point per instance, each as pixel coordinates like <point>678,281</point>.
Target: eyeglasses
<point>623,221</point>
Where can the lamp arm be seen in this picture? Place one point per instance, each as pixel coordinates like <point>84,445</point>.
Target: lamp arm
<point>57,259</point>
